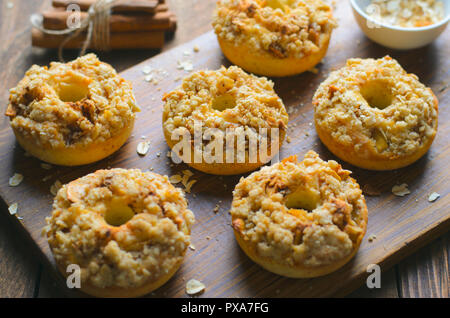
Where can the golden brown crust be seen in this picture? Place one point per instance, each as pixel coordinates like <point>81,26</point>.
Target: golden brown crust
<point>135,255</point>
<point>71,106</point>
<point>302,219</point>
<point>275,37</point>
<point>254,106</point>
<point>374,115</point>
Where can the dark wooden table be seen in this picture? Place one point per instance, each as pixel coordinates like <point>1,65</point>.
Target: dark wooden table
<point>424,274</point>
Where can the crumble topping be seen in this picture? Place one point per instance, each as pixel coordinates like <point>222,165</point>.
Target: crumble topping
<point>224,99</point>
<point>309,213</point>
<point>283,28</point>
<point>376,107</point>
<point>74,103</point>
<point>143,249</point>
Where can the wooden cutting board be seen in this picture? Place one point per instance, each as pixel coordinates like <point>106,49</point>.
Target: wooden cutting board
<point>401,224</point>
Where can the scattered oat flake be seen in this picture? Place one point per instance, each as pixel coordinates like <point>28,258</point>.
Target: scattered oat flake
<point>55,187</point>
<point>185,65</point>
<point>188,173</point>
<point>196,49</point>
<point>194,287</point>
<point>176,178</point>
<point>46,178</point>
<point>288,139</point>
<point>400,190</point>
<point>46,166</point>
<point>434,196</point>
<point>143,148</point>
<point>149,78</point>
<point>15,180</point>
<point>189,185</point>
<point>147,70</point>
<point>192,247</point>
<point>13,208</point>
<point>372,237</point>
<point>185,180</point>
<point>370,190</point>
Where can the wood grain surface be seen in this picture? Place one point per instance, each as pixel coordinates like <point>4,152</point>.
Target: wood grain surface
<point>401,225</point>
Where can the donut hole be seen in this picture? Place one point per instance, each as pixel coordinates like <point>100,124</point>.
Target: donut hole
<point>118,212</point>
<point>283,5</point>
<point>72,91</point>
<point>377,93</point>
<point>303,199</point>
<point>223,102</point>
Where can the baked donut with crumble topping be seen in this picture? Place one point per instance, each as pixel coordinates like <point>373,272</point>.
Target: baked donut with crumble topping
<point>127,230</point>
<point>74,113</point>
<point>374,115</point>
<point>274,37</point>
<point>299,219</point>
<point>239,119</point>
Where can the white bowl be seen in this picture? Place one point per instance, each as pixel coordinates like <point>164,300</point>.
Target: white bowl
<point>395,37</point>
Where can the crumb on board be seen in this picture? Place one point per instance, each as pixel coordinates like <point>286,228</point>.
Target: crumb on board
<point>13,208</point>
<point>46,166</point>
<point>400,190</point>
<point>142,148</point>
<point>194,287</point>
<point>15,180</point>
<point>176,178</point>
<point>433,197</point>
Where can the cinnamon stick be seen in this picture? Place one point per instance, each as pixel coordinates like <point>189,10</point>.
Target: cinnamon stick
<point>124,40</point>
<point>148,6</point>
<point>57,20</point>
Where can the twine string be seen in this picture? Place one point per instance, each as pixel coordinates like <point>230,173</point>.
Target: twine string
<point>96,24</point>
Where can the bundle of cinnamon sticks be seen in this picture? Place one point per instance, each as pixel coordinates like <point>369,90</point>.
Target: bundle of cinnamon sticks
<point>133,24</point>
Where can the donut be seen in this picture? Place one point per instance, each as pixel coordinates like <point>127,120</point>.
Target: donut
<point>274,37</point>
<point>240,109</point>
<point>374,115</point>
<point>299,219</point>
<point>127,230</point>
<point>72,114</point>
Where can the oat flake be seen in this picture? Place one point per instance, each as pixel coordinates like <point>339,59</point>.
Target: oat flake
<point>434,196</point>
<point>46,166</point>
<point>400,190</point>
<point>143,148</point>
<point>13,208</point>
<point>176,178</point>
<point>194,287</point>
<point>15,180</point>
